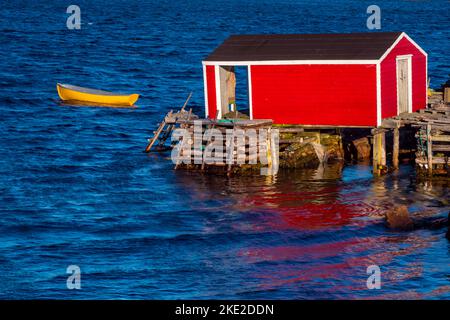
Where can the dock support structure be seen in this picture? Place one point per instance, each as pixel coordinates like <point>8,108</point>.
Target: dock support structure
<point>379,151</point>
<point>395,147</point>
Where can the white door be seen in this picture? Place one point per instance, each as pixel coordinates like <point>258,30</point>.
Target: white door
<point>403,84</point>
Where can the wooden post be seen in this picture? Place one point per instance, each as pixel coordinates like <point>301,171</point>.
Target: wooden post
<point>429,150</point>
<point>396,147</point>
<point>375,157</point>
<point>383,149</point>
<point>379,151</point>
<point>269,152</point>
<point>231,150</point>
<point>208,142</point>
<point>274,144</point>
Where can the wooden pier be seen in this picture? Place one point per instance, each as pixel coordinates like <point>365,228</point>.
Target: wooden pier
<point>433,138</point>
<point>296,146</point>
<point>220,145</point>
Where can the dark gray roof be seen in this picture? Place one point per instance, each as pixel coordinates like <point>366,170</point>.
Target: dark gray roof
<point>333,46</point>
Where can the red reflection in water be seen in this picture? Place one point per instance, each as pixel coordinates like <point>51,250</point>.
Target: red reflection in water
<point>413,294</point>
<point>336,267</point>
<point>380,251</point>
<point>315,216</point>
<point>308,210</point>
<point>304,253</point>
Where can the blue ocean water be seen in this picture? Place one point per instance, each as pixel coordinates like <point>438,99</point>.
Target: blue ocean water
<point>76,188</point>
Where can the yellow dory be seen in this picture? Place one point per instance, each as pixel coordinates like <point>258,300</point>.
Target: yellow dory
<point>69,92</point>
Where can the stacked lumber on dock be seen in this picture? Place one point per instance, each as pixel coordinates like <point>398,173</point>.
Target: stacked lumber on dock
<point>433,139</point>
<point>232,155</point>
<point>433,147</point>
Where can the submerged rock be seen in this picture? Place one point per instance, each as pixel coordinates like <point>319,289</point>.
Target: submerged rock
<point>333,144</point>
<point>399,219</point>
<point>299,155</point>
<point>309,149</point>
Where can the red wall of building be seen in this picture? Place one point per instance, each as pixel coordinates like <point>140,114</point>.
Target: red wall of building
<point>389,79</point>
<point>342,95</point>
<point>211,90</point>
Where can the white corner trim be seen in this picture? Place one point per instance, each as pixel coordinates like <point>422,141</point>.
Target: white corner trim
<point>378,79</point>
<point>396,85</point>
<point>218,98</point>
<point>205,91</point>
<point>285,62</point>
<point>410,85</point>
<point>250,96</point>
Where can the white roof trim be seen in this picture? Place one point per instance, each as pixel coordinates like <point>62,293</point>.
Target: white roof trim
<point>415,44</point>
<point>286,62</point>
<point>402,35</point>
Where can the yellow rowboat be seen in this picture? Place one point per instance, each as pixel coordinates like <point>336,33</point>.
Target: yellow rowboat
<point>68,92</point>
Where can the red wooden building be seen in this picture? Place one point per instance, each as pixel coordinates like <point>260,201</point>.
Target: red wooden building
<point>351,80</point>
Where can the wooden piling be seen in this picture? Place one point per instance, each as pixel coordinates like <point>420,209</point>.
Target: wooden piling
<point>396,147</point>
<point>383,150</point>
<point>375,157</point>
<point>269,151</point>
<point>379,151</point>
<point>231,149</point>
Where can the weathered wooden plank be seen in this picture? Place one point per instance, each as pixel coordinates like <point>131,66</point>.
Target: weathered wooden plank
<point>241,123</point>
<point>436,160</point>
<point>290,141</point>
<point>391,123</point>
<point>441,138</point>
<point>155,137</point>
<point>441,148</point>
<point>290,130</point>
<point>436,127</point>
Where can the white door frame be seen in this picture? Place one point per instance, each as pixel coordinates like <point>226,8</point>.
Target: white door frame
<point>218,91</point>
<point>250,102</point>
<point>218,94</point>
<point>408,58</point>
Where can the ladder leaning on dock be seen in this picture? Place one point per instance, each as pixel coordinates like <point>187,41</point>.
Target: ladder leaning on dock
<point>166,127</point>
